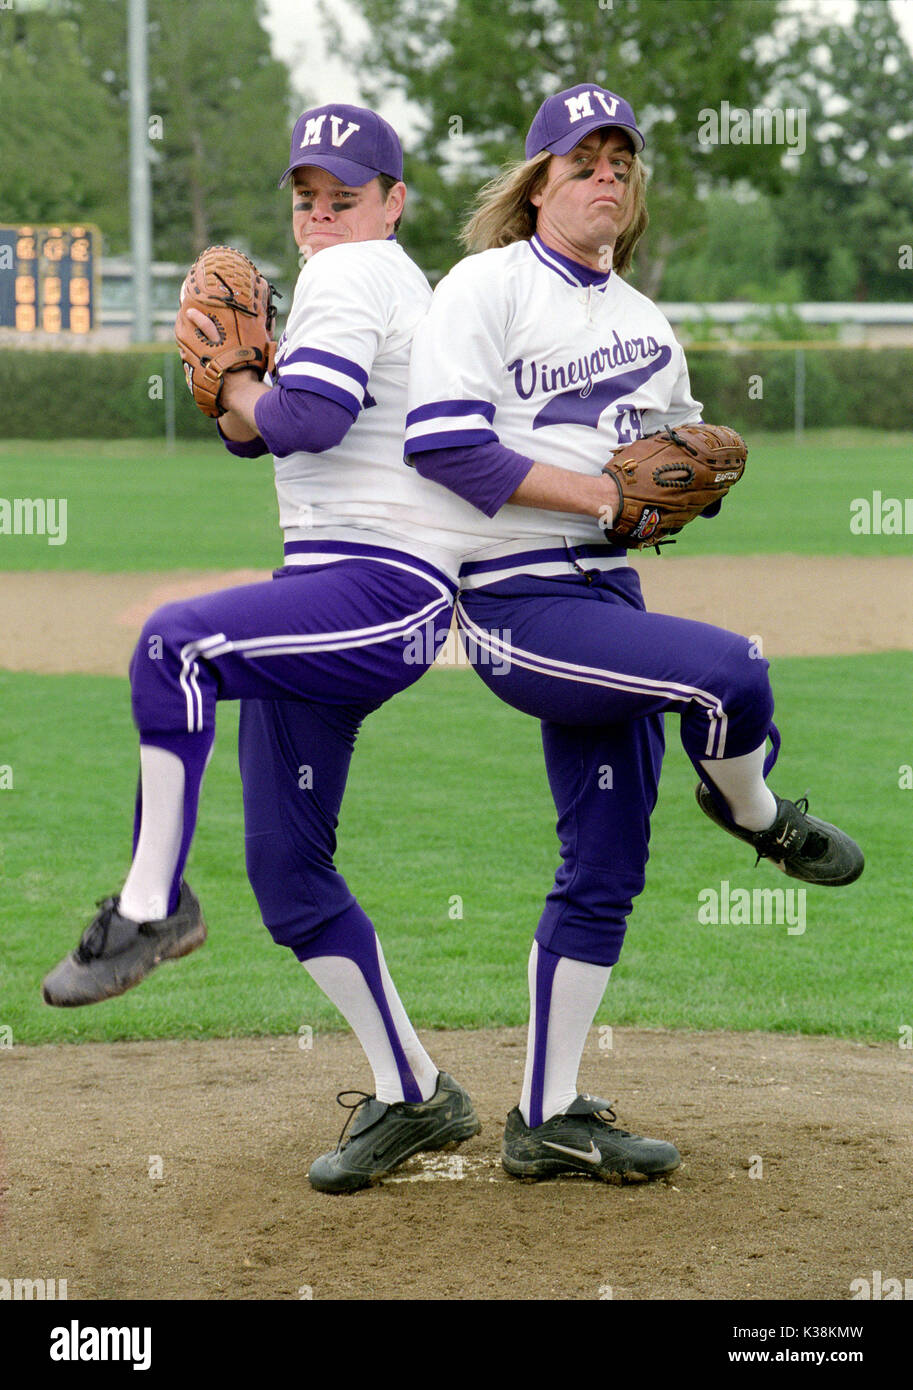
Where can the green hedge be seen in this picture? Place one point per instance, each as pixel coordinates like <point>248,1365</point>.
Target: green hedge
<point>118,395</point>
<point>95,395</point>
<point>864,388</point>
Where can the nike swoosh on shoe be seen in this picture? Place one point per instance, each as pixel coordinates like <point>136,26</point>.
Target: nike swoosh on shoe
<point>592,1156</point>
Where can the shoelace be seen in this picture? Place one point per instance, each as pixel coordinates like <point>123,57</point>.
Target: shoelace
<point>814,844</point>
<point>363,1100</point>
<point>95,937</point>
<point>601,1115</point>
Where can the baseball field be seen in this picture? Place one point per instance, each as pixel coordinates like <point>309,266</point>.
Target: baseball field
<point>157,1146</point>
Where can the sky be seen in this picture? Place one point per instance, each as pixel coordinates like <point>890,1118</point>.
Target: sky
<point>297,38</point>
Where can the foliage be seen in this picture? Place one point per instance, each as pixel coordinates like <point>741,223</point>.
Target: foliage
<point>823,221</point>
<point>57,395</point>
<point>737,257</point>
<point>728,220</point>
<point>451,58</point>
<point>120,395</point>
<point>848,210</point>
<point>219,121</point>
<point>63,159</point>
<point>843,387</point>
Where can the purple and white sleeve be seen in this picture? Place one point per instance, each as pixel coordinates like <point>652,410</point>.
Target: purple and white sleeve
<point>457,362</point>
<point>485,475</point>
<point>293,421</point>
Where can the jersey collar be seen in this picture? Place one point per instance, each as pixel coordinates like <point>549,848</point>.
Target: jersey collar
<point>571,271</point>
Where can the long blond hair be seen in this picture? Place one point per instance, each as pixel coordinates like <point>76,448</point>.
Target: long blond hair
<point>503,212</point>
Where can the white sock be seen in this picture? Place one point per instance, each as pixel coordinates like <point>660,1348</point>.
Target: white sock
<point>144,896</point>
<point>576,993</point>
<point>751,803</point>
<point>343,982</point>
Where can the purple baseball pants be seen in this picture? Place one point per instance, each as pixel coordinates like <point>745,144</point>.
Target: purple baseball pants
<point>310,654</point>
<point>580,653</point>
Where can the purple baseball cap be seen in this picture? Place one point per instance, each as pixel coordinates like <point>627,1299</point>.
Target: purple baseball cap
<point>350,142</point>
<point>564,119</point>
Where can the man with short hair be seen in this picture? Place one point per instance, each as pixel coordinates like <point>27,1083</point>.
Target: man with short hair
<point>370,563</point>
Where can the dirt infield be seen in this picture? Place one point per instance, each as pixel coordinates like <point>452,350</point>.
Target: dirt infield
<point>88,623</point>
<point>179,1170</point>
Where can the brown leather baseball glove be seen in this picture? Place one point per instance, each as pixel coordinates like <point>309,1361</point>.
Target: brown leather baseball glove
<point>667,479</point>
<point>227,287</point>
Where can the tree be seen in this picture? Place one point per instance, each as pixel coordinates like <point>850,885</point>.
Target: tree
<point>849,212</point>
<point>739,257</point>
<point>220,117</point>
<point>61,153</point>
<point>478,71</point>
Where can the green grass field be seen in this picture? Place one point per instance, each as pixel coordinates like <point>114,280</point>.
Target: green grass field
<point>132,506</point>
<point>448,798</point>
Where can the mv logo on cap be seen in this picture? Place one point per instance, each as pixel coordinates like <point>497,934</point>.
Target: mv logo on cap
<point>313,131</point>
<point>580,107</point>
<point>353,143</point>
<point>564,119</point>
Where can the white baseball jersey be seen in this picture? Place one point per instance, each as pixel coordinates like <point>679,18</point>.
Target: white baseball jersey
<point>348,338</point>
<point>518,347</point>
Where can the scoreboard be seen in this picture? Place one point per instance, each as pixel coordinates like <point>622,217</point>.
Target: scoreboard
<point>49,278</point>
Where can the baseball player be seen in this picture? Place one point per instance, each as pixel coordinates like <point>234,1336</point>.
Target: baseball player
<point>536,360</point>
<point>369,564</point>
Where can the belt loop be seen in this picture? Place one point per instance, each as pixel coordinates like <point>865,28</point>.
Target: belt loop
<point>589,575</point>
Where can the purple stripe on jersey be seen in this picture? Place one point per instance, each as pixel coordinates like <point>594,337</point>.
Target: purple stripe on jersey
<point>448,439</point>
<point>243,449</point>
<point>583,274</point>
<point>546,965</point>
<point>540,557</point>
<point>359,548</point>
<point>325,359</point>
<point>445,410</point>
<point>485,475</point>
<point>302,382</point>
<point>293,421</point>
<point>568,279</point>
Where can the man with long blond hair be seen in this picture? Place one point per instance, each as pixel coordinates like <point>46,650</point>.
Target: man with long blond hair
<point>535,362</point>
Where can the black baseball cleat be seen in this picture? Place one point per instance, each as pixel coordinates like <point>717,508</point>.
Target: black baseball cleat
<point>801,845</point>
<point>583,1140</point>
<point>384,1136</point>
<point>116,953</point>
